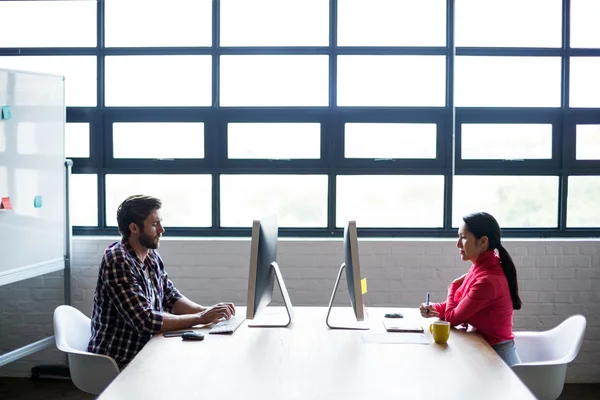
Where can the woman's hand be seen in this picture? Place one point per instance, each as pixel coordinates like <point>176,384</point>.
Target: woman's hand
<point>428,311</point>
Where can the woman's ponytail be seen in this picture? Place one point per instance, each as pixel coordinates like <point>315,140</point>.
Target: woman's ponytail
<point>510,271</point>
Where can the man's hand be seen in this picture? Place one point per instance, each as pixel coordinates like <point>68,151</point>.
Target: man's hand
<point>229,305</point>
<point>217,312</point>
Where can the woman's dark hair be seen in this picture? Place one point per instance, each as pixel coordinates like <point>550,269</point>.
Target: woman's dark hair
<point>482,224</point>
<point>135,209</point>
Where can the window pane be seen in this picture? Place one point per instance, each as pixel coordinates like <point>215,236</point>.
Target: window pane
<point>144,81</point>
<point>84,200</point>
<point>515,201</point>
<point>186,199</point>
<point>588,142</point>
<point>274,140</point>
<point>506,141</point>
<point>582,202</point>
<point>79,73</point>
<point>77,139</point>
<point>585,30</point>
<point>508,23</point>
<point>274,80</point>
<point>388,201</point>
<point>298,200</point>
<point>274,23</point>
<point>507,81</point>
<point>158,140</point>
<point>156,23</point>
<point>391,23</point>
<point>47,24</point>
<point>391,80</point>
<point>379,140</point>
<point>585,82</point>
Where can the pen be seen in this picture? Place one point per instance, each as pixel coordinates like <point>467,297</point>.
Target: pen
<point>427,303</point>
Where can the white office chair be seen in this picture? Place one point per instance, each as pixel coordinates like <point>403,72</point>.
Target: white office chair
<point>545,355</point>
<point>89,372</point>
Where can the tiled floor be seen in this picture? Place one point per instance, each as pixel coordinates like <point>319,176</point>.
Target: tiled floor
<point>47,389</point>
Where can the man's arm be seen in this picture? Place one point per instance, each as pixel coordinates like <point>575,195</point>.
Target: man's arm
<point>172,322</point>
<point>136,309</point>
<point>129,299</point>
<point>186,306</point>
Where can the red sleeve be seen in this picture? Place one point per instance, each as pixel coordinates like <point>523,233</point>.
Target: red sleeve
<point>479,296</point>
<point>440,308</point>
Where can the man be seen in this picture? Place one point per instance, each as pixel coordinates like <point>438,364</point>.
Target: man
<point>134,297</point>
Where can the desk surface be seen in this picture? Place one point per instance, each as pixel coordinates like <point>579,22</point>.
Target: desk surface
<point>307,360</point>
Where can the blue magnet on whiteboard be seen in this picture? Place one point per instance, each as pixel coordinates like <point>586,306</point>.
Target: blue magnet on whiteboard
<point>6,114</point>
<point>37,201</point>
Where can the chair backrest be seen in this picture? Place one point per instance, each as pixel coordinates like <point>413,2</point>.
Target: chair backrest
<point>567,338</point>
<point>72,329</point>
<point>90,372</point>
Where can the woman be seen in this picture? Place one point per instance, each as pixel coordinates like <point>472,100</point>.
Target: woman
<point>486,296</point>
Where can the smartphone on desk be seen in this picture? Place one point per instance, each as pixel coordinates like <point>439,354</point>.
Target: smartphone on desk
<point>175,333</point>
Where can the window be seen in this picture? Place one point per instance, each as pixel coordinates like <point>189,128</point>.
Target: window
<point>583,199</point>
<point>273,140</point>
<point>154,81</point>
<point>77,139</point>
<point>84,200</point>
<point>389,140</point>
<point>508,23</point>
<point>277,81</point>
<point>274,23</point>
<point>585,82</point>
<point>507,81</point>
<point>588,142</point>
<point>391,80</point>
<point>409,201</point>
<point>515,201</point>
<point>158,140</point>
<point>402,114</point>
<point>79,73</point>
<point>298,200</point>
<point>186,199</point>
<point>155,23</point>
<point>585,31</point>
<point>47,23</point>
<point>391,23</point>
<point>506,141</point>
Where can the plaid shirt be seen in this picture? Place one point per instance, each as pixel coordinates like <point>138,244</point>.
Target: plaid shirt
<point>129,298</point>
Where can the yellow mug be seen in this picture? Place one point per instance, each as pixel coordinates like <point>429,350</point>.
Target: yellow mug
<point>440,331</point>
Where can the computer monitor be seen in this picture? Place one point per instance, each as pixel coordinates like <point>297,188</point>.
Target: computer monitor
<point>264,271</point>
<point>353,279</point>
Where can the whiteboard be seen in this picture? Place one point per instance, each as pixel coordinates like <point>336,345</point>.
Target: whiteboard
<point>32,163</point>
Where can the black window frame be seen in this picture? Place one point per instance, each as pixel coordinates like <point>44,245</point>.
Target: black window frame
<point>332,118</point>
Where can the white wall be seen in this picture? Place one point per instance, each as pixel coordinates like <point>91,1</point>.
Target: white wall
<point>557,278</point>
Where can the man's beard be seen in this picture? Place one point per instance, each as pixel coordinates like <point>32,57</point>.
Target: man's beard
<point>148,241</point>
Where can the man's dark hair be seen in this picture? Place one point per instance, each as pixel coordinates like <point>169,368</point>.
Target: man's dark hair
<point>135,209</point>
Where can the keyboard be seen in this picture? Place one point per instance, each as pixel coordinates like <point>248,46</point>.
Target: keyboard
<point>227,326</point>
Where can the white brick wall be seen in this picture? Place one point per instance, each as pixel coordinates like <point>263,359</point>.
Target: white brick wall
<point>557,278</point>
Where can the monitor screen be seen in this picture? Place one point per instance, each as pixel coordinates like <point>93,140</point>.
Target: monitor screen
<point>263,254</point>
<point>353,277</point>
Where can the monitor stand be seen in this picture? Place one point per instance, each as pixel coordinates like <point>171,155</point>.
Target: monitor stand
<point>348,323</point>
<point>264,319</point>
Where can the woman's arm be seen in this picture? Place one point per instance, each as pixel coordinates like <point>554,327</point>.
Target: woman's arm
<point>478,297</point>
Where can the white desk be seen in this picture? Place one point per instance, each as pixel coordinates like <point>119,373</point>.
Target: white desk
<point>309,361</point>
